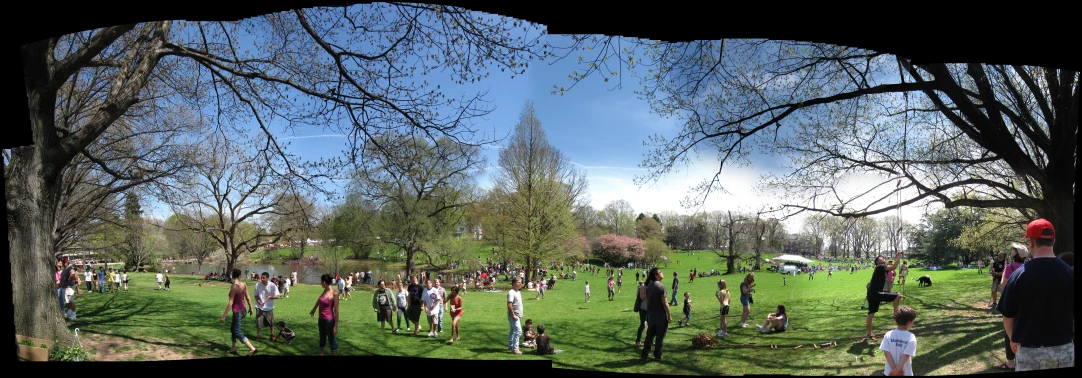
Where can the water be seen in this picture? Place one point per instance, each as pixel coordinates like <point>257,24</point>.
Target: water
<point>308,275</point>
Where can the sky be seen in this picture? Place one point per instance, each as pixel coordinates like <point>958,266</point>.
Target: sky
<point>599,129</point>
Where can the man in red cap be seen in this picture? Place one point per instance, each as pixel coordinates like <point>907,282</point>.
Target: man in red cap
<point>1038,305</point>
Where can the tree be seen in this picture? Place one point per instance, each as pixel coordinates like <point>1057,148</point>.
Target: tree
<point>538,186</point>
<point>994,231</point>
<point>233,188</point>
<point>733,226</point>
<point>654,251</point>
<point>937,233</point>
<point>184,241</point>
<point>294,218</point>
<point>352,225</point>
<point>421,189</point>
<point>587,220</point>
<point>647,228</point>
<point>1000,136</point>
<point>618,249</point>
<point>892,231</point>
<point>135,251</point>
<point>133,71</point>
<point>619,217</point>
<point>817,226</point>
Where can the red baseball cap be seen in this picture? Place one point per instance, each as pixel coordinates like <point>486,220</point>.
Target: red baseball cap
<point>1040,229</point>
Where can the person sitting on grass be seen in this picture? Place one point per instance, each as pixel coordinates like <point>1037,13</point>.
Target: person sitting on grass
<point>529,336</point>
<point>286,335</point>
<point>777,321</point>
<point>543,345</point>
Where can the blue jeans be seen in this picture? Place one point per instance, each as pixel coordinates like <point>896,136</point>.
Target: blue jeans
<point>402,314</point>
<point>60,297</point>
<point>642,325</point>
<point>674,292</point>
<point>101,286</point>
<point>326,331</point>
<point>439,325</point>
<point>514,334</point>
<point>235,328</point>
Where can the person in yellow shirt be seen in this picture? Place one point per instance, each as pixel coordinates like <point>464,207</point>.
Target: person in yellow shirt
<point>723,298</point>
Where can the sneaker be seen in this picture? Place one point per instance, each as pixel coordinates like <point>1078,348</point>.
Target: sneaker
<point>516,351</point>
<point>742,325</point>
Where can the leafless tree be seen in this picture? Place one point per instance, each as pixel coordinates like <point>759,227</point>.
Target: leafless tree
<point>969,135</point>
<point>354,68</point>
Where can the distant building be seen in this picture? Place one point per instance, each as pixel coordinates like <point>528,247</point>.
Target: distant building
<point>801,245</point>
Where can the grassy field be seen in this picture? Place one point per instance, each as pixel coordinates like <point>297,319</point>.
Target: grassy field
<point>956,332</point>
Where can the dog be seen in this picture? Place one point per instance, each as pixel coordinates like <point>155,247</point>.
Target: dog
<point>924,281</point>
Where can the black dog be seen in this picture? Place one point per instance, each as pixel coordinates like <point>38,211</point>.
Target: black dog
<point>924,281</point>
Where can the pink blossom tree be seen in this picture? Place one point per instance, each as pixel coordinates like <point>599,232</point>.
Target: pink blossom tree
<point>618,249</point>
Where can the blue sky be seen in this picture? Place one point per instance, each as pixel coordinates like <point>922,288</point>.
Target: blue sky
<point>599,129</point>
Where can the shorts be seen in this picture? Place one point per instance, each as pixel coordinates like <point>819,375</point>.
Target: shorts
<point>745,300</point>
<point>384,314</point>
<point>995,286</point>
<point>724,310</point>
<point>434,318</point>
<point>875,298</point>
<point>414,314</point>
<point>69,296</point>
<point>264,319</point>
<point>1044,358</point>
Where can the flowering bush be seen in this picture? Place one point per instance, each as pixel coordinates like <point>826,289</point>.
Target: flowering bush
<point>618,249</point>
<point>578,248</point>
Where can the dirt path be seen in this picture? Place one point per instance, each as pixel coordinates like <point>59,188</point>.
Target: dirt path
<point>110,348</point>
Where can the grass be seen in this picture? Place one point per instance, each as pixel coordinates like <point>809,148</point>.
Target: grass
<point>956,332</point>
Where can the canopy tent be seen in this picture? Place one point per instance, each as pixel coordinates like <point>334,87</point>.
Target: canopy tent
<point>793,258</point>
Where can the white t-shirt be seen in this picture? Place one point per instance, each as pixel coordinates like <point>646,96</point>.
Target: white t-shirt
<point>587,289</point>
<point>287,283</point>
<point>158,277</point>
<point>124,277</point>
<point>264,292</point>
<point>899,343</point>
<point>515,298</point>
<point>431,297</point>
<point>87,275</point>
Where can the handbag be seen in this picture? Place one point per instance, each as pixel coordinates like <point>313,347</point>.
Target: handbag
<point>751,299</point>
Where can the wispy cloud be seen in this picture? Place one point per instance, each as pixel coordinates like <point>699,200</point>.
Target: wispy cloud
<point>314,136</point>
<point>601,167</point>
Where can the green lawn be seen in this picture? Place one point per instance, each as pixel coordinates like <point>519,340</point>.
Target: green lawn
<point>955,331</point>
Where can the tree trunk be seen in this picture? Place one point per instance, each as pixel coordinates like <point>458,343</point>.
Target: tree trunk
<point>409,262</point>
<point>1061,203</point>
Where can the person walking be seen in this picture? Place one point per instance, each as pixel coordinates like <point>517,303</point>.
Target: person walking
<point>658,317</point>
<point>514,314</point>
<point>1038,305</point>
<point>675,289</point>
<point>238,299</point>
<point>327,304</point>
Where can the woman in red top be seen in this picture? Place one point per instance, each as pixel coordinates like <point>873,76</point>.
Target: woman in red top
<point>238,298</point>
<point>456,313</point>
<point>327,304</point>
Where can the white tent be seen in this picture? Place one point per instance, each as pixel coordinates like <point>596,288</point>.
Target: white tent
<point>793,258</point>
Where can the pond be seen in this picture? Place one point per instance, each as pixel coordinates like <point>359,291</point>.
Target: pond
<point>308,275</point>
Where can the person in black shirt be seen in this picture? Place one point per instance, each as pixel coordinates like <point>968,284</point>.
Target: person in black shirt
<point>1038,305</point>
<point>997,274</point>
<point>413,309</point>
<point>875,295</point>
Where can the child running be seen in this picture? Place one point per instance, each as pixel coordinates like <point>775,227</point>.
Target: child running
<point>723,298</point>
<point>686,321</point>
<point>455,302</point>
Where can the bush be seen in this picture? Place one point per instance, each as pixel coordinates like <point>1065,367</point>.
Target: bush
<point>75,353</point>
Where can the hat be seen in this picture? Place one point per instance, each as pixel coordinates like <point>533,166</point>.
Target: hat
<point>1023,252</point>
<point>1040,229</point>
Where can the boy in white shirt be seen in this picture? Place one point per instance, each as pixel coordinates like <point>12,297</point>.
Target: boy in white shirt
<point>899,345</point>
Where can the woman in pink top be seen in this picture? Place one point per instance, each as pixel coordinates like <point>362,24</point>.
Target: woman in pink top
<point>238,298</point>
<point>327,304</point>
<point>1018,257</point>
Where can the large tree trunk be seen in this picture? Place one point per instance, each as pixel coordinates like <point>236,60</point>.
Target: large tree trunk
<point>1061,203</point>
<point>33,193</point>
